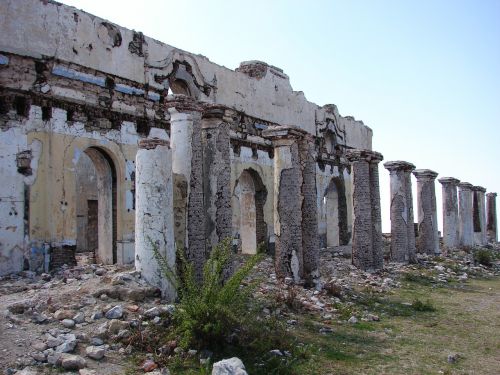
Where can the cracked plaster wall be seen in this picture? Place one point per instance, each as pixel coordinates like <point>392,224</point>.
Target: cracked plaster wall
<point>52,193</point>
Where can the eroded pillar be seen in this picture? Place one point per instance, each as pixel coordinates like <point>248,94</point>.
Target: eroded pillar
<point>479,215</point>
<point>310,239</point>
<point>466,227</point>
<point>154,223</point>
<point>450,212</point>
<point>367,251</point>
<point>491,225</point>
<point>428,235</point>
<point>187,167</point>
<point>216,174</point>
<point>295,215</point>
<point>402,230</point>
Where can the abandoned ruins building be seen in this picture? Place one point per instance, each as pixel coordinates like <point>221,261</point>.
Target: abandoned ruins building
<point>115,143</point>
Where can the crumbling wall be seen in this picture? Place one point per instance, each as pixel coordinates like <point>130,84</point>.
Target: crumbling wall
<point>68,34</point>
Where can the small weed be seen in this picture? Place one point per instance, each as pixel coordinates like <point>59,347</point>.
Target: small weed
<point>333,289</point>
<point>288,295</point>
<point>420,306</point>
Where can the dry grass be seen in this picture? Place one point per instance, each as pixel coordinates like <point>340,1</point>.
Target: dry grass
<point>466,321</point>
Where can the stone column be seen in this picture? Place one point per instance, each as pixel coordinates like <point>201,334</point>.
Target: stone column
<point>479,215</point>
<point>367,232</point>
<point>154,224</point>
<point>466,227</point>
<point>428,235</point>
<point>216,174</point>
<point>402,230</point>
<point>450,212</point>
<point>287,201</point>
<point>378,248</point>
<point>310,239</point>
<point>187,167</point>
<point>491,225</point>
<point>295,209</point>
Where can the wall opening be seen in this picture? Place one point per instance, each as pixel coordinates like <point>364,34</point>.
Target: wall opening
<point>250,194</point>
<point>335,208</point>
<point>179,87</point>
<point>97,205</point>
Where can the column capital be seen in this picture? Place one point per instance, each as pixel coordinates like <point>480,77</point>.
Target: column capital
<point>364,155</point>
<point>449,181</point>
<point>479,188</point>
<point>183,103</point>
<point>215,114</point>
<point>151,143</point>
<point>280,132</point>
<point>399,165</point>
<point>425,174</point>
<point>491,195</point>
<point>465,186</point>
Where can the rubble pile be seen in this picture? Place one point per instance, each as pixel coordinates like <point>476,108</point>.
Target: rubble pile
<point>79,318</point>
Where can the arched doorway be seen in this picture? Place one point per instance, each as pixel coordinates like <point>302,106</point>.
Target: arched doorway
<point>96,205</point>
<point>250,195</point>
<point>335,209</point>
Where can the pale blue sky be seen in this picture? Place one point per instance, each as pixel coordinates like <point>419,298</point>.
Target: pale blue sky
<point>424,75</point>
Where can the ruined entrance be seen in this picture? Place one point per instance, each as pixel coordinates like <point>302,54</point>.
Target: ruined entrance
<point>335,204</point>
<point>96,205</point>
<point>250,194</point>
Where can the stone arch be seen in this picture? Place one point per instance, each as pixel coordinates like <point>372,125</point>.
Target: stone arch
<point>334,200</point>
<point>250,195</point>
<point>104,170</point>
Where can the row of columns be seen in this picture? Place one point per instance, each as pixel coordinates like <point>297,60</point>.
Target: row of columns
<point>196,170</point>
<point>465,221</point>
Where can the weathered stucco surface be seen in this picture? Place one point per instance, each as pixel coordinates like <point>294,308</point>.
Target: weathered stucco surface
<point>77,94</point>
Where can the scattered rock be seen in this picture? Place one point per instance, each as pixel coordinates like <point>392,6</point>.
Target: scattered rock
<point>79,318</point>
<point>96,341</point>
<point>68,323</point>
<point>97,315</point>
<point>352,320</point>
<point>95,352</point>
<point>149,365</point>
<point>72,362</point>
<point>100,271</point>
<point>64,314</point>
<point>115,312</point>
<point>232,366</point>
<point>372,317</point>
<point>152,313</point>
<point>452,358</point>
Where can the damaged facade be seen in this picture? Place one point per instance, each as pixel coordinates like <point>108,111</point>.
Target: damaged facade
<point>79,97</point>
<point>118,144</point>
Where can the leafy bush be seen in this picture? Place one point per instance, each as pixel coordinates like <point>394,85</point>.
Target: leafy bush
<point>210,312</point>
<point>483,256</point>
<point>219,315</point>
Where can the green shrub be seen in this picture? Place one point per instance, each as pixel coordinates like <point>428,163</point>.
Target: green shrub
<point>426,306</point>
<point>219,314</point>
<point>208,313</point>
<point>483,256</point>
